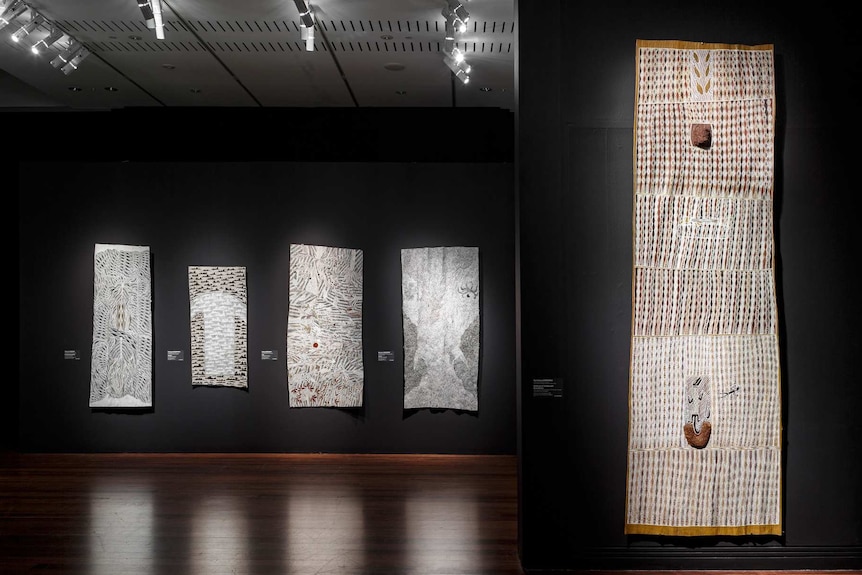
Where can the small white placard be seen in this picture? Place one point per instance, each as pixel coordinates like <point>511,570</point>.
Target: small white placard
<point>549,387</point>
<point>71,354</point>
<point>268,354</point>
<point>175,355</point>
<point>385,356</point>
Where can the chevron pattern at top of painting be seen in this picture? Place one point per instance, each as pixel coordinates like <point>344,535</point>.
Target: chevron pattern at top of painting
<point>440,300</point>
<point>704,454</point>
<point>324,327</point>
<point>122,363</point>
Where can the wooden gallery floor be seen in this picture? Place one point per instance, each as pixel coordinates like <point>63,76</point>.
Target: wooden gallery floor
<point>256,514</point>
<point>212,514</point>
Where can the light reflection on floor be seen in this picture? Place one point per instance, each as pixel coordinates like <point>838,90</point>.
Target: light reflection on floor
<point>442,529</point>
<point>325,532</point>
<point>219,536</point>
<point>121,529</point>
<point>308,527</point>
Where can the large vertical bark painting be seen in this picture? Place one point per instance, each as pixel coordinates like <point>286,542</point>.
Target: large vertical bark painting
<point>324,327</point>
<point>122,359</point>
<point>704,453</point>
<point>219,326</point>
<point>440,305</point>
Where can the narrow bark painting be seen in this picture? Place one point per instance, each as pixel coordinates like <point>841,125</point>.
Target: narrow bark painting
<point>324,327</point>
<point>440,301</point>
<point>704,454</point>
<point>122,358</point>
<point>219,326</point>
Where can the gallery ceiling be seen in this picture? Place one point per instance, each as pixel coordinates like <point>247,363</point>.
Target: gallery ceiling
<point>251,53</point>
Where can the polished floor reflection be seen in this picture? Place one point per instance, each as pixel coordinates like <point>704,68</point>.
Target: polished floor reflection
<point>177,514</point>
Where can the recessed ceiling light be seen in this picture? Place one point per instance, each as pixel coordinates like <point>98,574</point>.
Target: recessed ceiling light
<point>484,89</point>
<point>386,37</point>
<point>394,66</point>
<point>75,88</point>
<point>111,89</point>
<point>137,38</point>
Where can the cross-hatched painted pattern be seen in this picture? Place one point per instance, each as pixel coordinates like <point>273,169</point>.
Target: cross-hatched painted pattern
<point>739,163</point>
<point>731,488</point>
<point>122,358</point>
<point>324,327</point>
<point>704,460</point>
<point>219,326</point>
<point>693,232</point>
<point>742,371</point>
<point>695,302</point>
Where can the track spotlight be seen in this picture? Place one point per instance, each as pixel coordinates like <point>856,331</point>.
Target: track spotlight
<point>461,68</point>
<point>453,22</point>
<point>458,9</point>
<point>157,18</point>
<point>54,35</point>
<point>41,34</point>
<point>304,13</point>
<point>147,11</point>
<point>11,11</point>
<point>456,23</point>
<point>449,38</point>
<point>25,30</point>
<point>461,75</point>
<point>458,65</point>
<point>67,54</point>
<point>306,27</point>
<point>76,60</point>
<point>307,33</point>
<point>152,13</point>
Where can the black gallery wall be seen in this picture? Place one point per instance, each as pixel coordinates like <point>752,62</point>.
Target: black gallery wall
<point>191,210</point>
<point>574,165</point>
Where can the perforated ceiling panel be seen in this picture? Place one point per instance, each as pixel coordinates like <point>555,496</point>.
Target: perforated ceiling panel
<point>367,53</point>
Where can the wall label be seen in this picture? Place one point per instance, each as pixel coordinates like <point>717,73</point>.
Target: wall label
<point>71,354</point>
<point>549,387</point>
<point>385,356</point>
<point>175,355</point>
<point>269,354</point>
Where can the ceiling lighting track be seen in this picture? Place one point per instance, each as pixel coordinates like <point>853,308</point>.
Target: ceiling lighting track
<point>456,23</point>
<point>42,35</point>
<point>10,10</point>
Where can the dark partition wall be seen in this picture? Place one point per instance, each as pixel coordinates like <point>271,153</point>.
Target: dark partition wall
<point>575,192</point>
<point>247,213</point>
